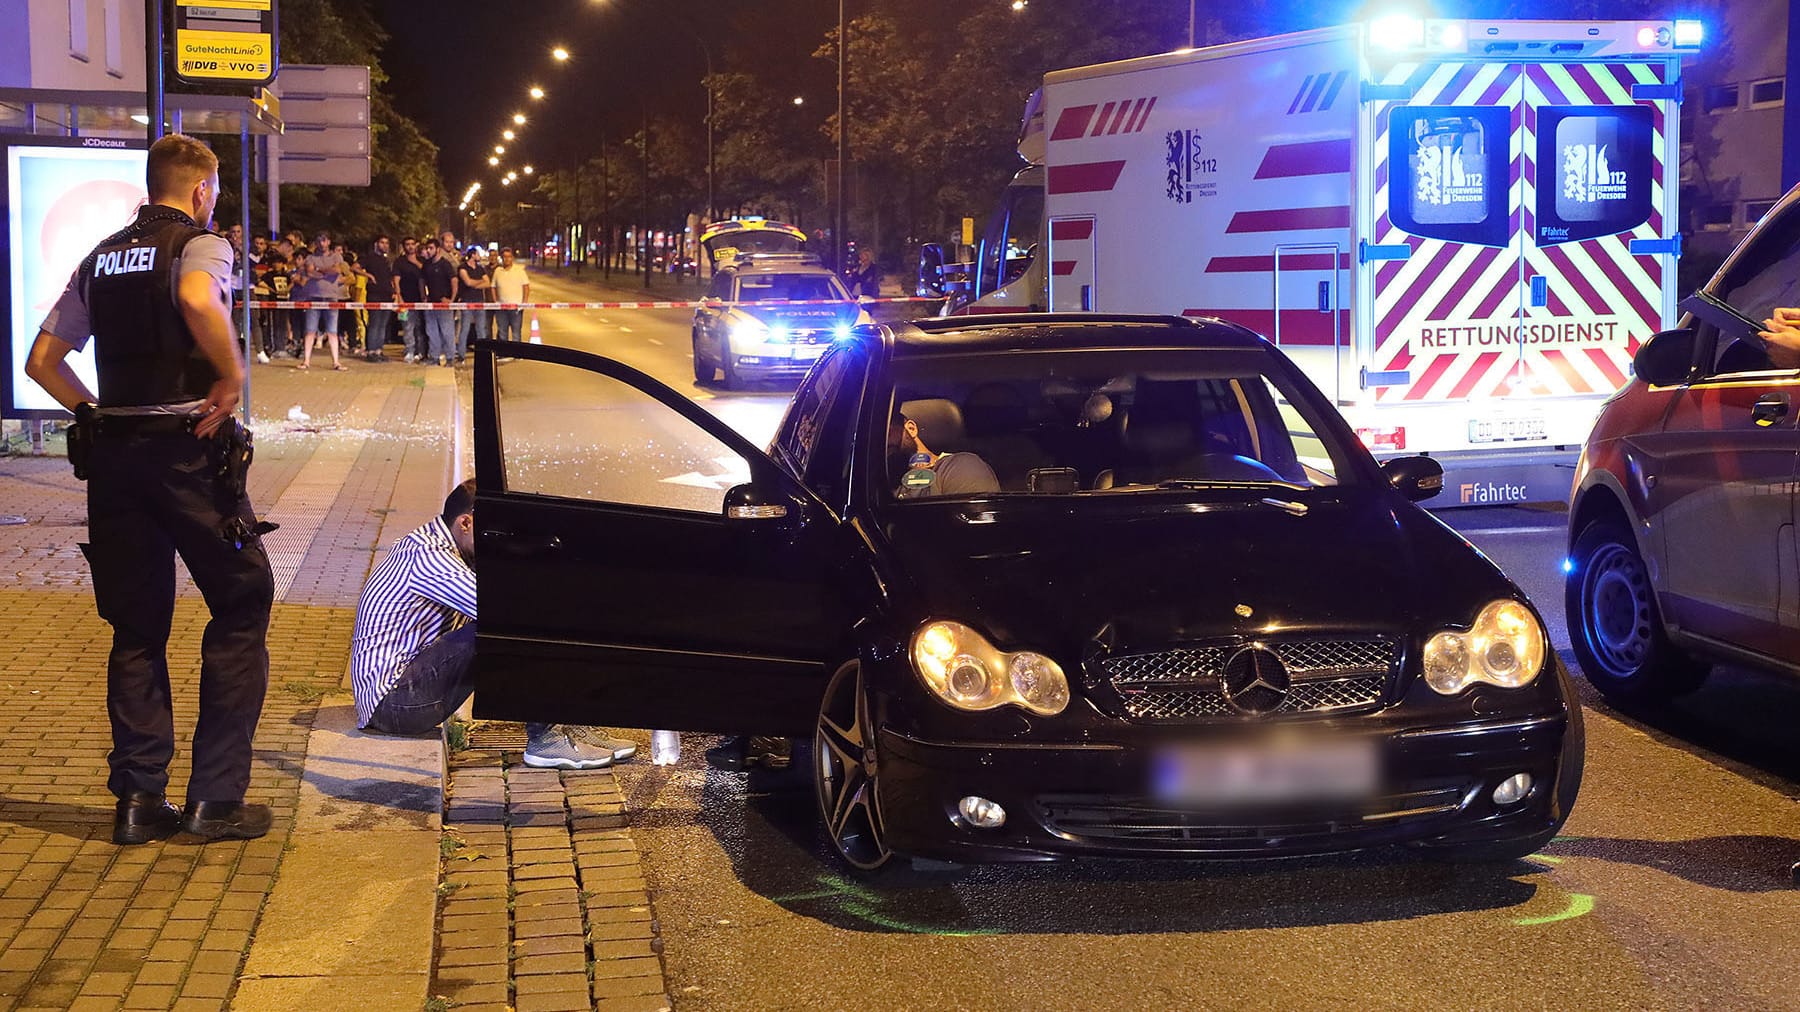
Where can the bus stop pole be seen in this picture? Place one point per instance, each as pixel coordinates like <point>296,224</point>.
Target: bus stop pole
<point>153,68</point>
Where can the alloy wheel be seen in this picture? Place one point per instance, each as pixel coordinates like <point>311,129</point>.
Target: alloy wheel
<point>843,774</point>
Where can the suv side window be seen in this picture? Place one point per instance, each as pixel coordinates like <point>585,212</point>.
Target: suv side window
<point>1764,276</point>
<point>813,435</point>
<point>720,287</point>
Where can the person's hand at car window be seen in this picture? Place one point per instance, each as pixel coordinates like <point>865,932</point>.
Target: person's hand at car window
<point>1781,336</point>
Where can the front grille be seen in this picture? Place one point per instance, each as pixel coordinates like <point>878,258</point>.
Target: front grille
<point>1327,676</point>
<point>1145,820</point>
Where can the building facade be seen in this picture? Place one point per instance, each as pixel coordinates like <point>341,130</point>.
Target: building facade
<point>72,45</point>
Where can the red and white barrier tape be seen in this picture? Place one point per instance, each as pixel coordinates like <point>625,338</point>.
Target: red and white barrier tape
<point>694,304</point>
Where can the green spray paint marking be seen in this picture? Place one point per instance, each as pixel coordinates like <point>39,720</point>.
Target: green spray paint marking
<point>863,904</point>
<point>1579,904</point>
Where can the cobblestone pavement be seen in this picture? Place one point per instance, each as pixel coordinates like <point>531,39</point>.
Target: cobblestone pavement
<point>545,907</point>
<point>85,924</point>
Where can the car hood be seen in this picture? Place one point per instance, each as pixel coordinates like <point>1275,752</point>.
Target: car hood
<point>1052,573</point>
<point>802,316</point>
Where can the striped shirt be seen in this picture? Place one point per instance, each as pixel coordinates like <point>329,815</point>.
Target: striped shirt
<point>422,590</point>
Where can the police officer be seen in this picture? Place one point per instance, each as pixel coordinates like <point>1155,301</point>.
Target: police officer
<point>153,297</point>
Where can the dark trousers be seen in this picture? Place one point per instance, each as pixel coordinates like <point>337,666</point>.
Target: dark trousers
<point>148,498</point>
<point>434,684</point>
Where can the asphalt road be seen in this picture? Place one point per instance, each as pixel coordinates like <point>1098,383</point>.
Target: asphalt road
<point>1669,888</point>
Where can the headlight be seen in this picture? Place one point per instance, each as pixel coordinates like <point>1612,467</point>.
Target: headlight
<point>1505,647</point>
<point>966,671</point>
<point>749,330</point>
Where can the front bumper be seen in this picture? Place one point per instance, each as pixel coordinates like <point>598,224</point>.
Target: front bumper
<point>1093,799</point>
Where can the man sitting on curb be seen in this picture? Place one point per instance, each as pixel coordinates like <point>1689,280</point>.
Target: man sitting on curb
<point>412,653</point>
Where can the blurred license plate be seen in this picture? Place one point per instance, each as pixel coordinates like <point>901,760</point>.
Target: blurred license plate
<point>1267,772</point>
<point>805,352</point>
<point>1507,430</point>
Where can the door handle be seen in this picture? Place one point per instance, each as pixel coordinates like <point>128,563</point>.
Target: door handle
<point>521,544</point>
<point>1768,410</point>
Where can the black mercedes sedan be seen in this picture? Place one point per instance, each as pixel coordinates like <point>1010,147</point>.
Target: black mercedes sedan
<point>1034,587</point>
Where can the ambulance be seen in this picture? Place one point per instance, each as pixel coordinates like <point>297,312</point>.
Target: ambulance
<point>1461,230</point>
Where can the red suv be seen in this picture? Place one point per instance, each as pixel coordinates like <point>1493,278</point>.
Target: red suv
<point>1683,550</point>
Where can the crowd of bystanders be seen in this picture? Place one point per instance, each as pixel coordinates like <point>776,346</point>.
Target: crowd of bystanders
<point>434,270</point>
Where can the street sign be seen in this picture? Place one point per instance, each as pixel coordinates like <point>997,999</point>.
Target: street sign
<point>968,230</point>
<point>326,111</point>
<point>296,141</point>
<point>325,170</point>
<point>225,40</point>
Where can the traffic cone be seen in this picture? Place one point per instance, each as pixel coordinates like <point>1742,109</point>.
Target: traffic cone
<point>535,339</point>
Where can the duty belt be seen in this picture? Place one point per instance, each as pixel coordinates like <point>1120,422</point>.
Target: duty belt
<point>144,425</point>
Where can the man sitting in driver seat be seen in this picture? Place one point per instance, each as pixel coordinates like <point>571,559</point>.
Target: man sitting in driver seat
<point>918,472</point>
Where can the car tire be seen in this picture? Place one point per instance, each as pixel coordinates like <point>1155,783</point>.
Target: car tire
<point>1615,624</point>
<point>1571,767</point>
<point>843,779</point>
<point>728,366</point>
<point>703,369</point>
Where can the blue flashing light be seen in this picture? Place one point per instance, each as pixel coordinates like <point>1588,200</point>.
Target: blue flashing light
<point>1689,33</point>
<point>1397,31</point>
<point>1568,566</point>
<point>842,332</point>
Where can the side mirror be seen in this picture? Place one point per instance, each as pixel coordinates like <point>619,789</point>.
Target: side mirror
<point>1666,359</point>
<point>931,271</point>
<point>1417,478</point>
<point>745,502</point>
<point>865,300</point>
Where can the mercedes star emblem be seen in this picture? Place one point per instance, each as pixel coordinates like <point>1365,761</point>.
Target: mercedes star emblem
<point>1255,681</point>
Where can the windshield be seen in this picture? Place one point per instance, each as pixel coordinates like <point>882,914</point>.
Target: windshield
<point>1010,240</point>
<point>791,287</point>
<point>1103,422</point>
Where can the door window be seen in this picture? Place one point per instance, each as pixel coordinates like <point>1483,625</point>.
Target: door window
<point>1763,275</point>
<point>1453,172</point>
<point>814,436</point>
<point>568,433</point>
<point>1595,167</point>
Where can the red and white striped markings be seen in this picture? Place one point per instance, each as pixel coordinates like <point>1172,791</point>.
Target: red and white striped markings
<point>1457,316</point>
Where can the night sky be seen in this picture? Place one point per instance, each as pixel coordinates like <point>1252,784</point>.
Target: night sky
<point>462,68</point>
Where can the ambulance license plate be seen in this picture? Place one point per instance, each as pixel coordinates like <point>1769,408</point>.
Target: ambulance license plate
<point>1509,429</point>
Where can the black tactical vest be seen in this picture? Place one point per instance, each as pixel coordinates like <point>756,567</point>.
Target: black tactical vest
<point>143,351</point>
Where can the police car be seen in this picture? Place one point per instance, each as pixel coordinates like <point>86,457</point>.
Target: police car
<point>769,317</point>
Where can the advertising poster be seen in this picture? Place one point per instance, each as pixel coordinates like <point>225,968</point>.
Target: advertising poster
<point>62,197</point>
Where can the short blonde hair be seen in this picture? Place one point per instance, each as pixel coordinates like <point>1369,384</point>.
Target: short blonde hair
<point>176,163</point>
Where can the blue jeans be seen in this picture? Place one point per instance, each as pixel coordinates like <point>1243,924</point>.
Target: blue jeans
<point>435,682</point>
<point>472,320</point>
<point>375,334</point>
<point>439,331</point>
<point>413,331</point>
<point>509,324</point>
<point>321,321</point>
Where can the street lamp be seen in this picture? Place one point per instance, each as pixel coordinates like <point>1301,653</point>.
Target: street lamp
<point>799,99</point>
<point>529,170</point>
<point>493,161</point>
<point>560,54</point>
<point>537,92</point>
<point>507,135</point>
<point>519,118</point>
<point>499,149</point>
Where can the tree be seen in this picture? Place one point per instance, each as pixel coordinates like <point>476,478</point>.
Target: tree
<point>406,191</point>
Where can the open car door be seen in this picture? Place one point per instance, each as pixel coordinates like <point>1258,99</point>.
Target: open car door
<point>640,563</point>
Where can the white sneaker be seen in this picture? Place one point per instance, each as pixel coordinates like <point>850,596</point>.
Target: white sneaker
<point>263,357</point>
<point>409,360</point>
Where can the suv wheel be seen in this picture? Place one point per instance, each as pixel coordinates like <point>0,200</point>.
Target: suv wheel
<point>1615,625</point>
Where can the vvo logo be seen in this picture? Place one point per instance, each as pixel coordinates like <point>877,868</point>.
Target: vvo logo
<point>135,260</point>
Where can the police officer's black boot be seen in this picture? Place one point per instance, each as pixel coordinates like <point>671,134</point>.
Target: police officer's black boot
<point>226,820</point>
<point>142,816</point>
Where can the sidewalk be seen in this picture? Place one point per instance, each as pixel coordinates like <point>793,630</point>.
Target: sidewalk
<point>339,906</point>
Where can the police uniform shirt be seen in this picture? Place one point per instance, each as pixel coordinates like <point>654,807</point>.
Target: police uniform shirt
<point>68,319</point>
